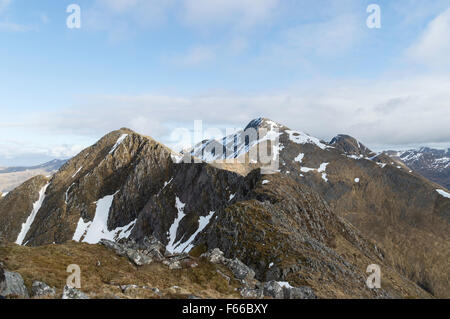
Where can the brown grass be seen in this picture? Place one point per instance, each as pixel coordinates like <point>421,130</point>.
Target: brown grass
<point>49,264</point>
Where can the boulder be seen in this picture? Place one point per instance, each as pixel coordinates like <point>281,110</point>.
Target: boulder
<point>40,289</point>
<point>175,265</point>
<point>299,293</point>
<point>154,248</point>
<point>139,259</point>
<point>251,293</point>
<point>125,250</point>
<point>273,289</point>
<point>215,256</point>
<point>124,288</point>
<point>240,270</point>
<point>72,293</point>
<point>11,284</point>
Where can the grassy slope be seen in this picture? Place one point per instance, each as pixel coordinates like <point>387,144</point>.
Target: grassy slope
<point>49,264</point>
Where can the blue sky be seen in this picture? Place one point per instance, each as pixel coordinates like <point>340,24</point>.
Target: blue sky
<point>154,65</point>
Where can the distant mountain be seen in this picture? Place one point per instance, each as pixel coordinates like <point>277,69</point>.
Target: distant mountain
<point>11,177</point>
<point>51,166</point>
<point>324,213</point>
<point>434,164</point>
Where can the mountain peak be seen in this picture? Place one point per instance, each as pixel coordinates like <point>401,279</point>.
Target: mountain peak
<point>350,145</point>
<point>263,122</point>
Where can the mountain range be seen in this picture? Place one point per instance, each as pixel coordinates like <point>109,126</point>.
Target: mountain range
<point>11,177</point>
<point>434,164</point>
<point>316,220</point>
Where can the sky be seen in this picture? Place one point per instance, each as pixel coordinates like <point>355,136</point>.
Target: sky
<point>157,65</point>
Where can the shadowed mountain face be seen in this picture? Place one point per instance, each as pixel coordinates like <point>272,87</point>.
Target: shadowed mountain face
<point>287,226</point>
<point>432,163</point>
<point>350,146</point>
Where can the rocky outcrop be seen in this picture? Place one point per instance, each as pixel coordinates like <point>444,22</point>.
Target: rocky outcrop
<point>148,251</point>
<point>350,146</point>
<point>73,293</point>
<point>143,253</point>
<point>12,284</point>
<point>41,289</point>
<point>253,288</point>
<point>243,273</point>
<point>298,293</point>
<point>273,289</point>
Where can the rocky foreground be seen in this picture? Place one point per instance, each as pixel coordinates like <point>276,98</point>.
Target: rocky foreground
<point>132,270</point>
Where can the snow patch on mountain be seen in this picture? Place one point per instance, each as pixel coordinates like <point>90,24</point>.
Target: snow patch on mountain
<point>187,246</point>
<point>443,193</point>
<point>97,230</point>
<point>322,168</point>
<point>27,225</point>
<point>303,138</point>
<point>284,284</point>
<point>299,158</point>
<point>81,230</point>
<point>76,173</point>
<point>174,228</point>
<point>119,141</point>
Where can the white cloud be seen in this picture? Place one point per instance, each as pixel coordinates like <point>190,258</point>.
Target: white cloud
<point>243,13</point>
<point>4,4</point>
<point>123,16</point>
<point>404,113</point>
<point>407,111</point>
<point>6,24</point>
<point>195,56</point>
<point>14,149</point>
<point>14,27</point>
<point>104,14</point>
<point>328,38</point>
<point>433,46</point>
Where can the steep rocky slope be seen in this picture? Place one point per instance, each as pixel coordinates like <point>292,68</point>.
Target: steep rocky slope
<point>16,207</point>
<point>11,177</point>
